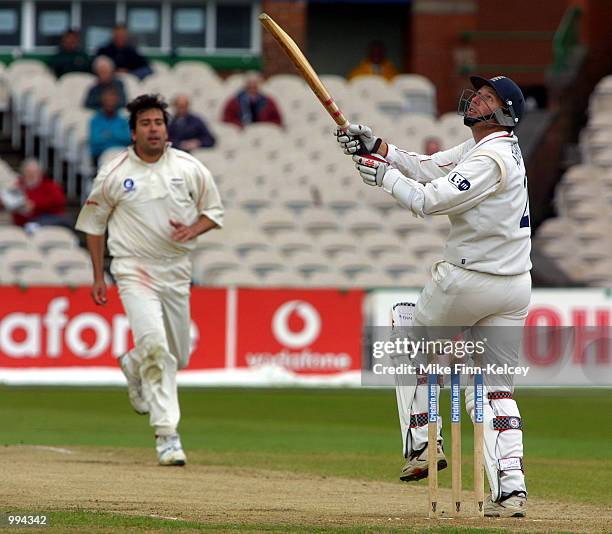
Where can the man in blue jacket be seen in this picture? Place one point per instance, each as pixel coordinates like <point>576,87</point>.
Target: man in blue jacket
<point>108,128</point>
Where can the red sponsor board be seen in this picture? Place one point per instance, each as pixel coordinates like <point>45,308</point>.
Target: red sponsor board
<point>59,327</point>
<point>305,331</point>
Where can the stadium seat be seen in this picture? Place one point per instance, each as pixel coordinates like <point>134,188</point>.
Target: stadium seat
<point>599,275</point>
<point>13,237</point>
<point>284,279</point>
<point>160,67</point>
<point>284,84</point>
<point>403,222</point>
<point>63,260</point>
<point>248,241</point>
<point>275,221</point>
<point>417,127</point>
<point>308,264</point>
<point>18,259</point>
<point>384,244</point>
<point>334,243</point>
<point>290,243</point>
<point>209,264</point>
<point>426,242</point>
<point>397,264</point>
<point>263,262</point>
<point>328,279</point>
<point>416,280</point>
<point>189,70</point>
<point>340,199</point>
<point>296,199</point>
<point>236,278</point>
<point>48,238</point>
<point>317,221</point>
<point>370,87</point>
<point>42,275</point>
<point>372,280</point>
<point>253,198</point>
<point>363,222</point>
<point>211,240</point>
<point>351,263</point>
<point>131,84</point>
<point>418,91</point>
<point>597,250</point>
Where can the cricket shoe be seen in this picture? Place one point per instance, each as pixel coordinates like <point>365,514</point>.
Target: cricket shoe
<point>417,465</point>
<point>511,505</point>
<point>169,450</point>
<point>134,385</point>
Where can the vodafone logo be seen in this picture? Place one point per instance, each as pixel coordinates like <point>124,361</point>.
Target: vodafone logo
<point>56,332</point>
<point>311,324</point>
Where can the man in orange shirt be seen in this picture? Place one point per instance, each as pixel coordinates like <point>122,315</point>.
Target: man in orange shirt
<point>376,63</point>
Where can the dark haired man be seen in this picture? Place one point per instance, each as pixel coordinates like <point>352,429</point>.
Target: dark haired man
<point>124,54</point>
<point>154,200</point>
<point>70,56</point>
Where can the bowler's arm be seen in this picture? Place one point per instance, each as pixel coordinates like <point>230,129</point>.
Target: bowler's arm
<point>96,245</point>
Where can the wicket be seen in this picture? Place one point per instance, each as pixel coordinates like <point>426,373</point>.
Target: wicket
<point>432,435</point>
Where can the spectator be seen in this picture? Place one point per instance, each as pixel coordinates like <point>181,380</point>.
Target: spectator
<point>375,63</point>
<point>44,201</point>
<point>187,131</point>
<point>70,57</point>
<point>125,56</point>
<point>249,105</point>
<point>431,145</point>
<point>105,71</point>
<point>108,128</point>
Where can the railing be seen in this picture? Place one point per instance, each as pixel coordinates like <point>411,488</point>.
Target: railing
<point>566,38</point>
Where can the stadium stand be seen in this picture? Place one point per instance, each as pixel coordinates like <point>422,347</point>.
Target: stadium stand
<point>292,205</point>
<point>579,239</point>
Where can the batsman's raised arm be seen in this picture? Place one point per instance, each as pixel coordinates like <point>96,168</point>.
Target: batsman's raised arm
<point>359,139</point>
<point>453,193</point>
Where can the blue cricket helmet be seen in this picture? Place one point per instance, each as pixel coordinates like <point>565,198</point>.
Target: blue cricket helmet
<point>510,94</point>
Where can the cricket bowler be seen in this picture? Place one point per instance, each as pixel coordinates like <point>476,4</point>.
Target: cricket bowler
<point>154,200</point>
<point>483,280</point>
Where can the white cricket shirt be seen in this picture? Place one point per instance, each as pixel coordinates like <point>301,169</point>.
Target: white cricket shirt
<point>482,187</point>
<point>136,200</point>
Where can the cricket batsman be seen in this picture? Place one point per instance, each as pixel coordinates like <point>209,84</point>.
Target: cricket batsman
<point>483,280</point>
<point>154,201</point>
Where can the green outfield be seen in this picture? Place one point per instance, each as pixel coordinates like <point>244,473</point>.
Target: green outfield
<point>348,434</point>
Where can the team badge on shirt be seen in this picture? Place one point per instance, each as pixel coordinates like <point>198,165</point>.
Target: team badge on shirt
<point>459,181</point>
<point>128,185</point>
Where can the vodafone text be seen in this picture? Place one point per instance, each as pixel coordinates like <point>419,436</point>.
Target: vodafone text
<point>301,360</point>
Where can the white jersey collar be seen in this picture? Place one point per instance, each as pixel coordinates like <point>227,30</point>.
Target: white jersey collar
<point>502,134</point>
<point>134,157</point>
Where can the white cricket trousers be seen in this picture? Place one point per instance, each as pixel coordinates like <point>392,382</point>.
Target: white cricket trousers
<point>155,297</point>
<point>457,297</point>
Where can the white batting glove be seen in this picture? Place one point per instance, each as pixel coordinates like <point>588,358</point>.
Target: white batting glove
<point>357,139</point>
<point>371,168</point>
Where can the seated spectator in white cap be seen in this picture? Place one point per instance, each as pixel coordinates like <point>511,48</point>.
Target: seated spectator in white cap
<point>104,68</point>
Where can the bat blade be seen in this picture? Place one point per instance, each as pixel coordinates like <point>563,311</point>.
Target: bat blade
<point>305,69</point>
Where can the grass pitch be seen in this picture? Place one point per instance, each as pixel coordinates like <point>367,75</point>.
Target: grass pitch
<point>351,434</point>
